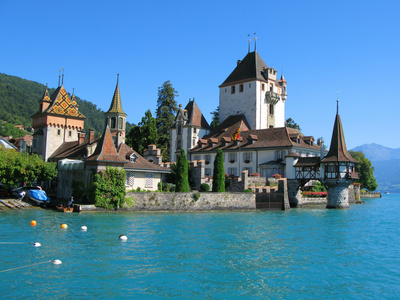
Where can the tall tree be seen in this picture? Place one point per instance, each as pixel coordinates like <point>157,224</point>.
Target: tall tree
<point>219,173</point>
<point>292,124</point>
<point>365,171</point>
<point>215,120</point>
<point>182,177</point>
<point>109,188</point>
<point>139,137</point>
<point>166,111</point>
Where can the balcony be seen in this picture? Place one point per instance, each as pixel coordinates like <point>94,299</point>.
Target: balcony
<point>272,97</point>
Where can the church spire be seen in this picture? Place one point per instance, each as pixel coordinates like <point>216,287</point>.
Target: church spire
<point>116,106</point>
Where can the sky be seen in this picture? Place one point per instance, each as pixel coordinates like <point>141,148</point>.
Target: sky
<point>327,50</point>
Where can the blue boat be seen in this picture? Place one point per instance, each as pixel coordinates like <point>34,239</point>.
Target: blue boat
<point>39,196</point>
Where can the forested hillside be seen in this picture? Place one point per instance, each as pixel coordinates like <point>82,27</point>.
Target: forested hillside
<point>19,101</point>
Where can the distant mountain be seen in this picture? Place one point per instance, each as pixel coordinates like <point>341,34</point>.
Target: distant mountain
<point>19,101</point>
<point>375,152</point>
<point>386,162</point>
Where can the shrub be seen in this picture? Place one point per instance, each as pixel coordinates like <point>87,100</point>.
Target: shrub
<point>247,191</point>
<point>109,188</point>
<point>196,196</point>
<point>277,176</point>
<point>315,194</point>
<point>255,174</point>
<point>204,187</point>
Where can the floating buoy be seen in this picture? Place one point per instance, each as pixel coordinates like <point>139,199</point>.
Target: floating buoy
<point>37,244</point>
<point>123,237</point>
<point>83,228</point>
<point>33,223</point>
<point>57,262</point>
<point>65,226</point>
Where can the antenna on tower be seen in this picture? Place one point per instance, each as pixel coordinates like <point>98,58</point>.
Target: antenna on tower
<point>337,102</point>
<point>62,81</point>
<point>59,77</point>
<point>255,42</point>
<point>249,43</point>
<point>117,77</point>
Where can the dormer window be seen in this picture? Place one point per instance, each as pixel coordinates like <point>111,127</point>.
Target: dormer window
<point>133,157</point>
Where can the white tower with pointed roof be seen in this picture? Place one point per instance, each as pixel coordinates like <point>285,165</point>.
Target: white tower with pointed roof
<point>253,89</point>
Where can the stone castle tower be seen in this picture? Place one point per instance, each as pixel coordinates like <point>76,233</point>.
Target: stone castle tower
<point>58,121</point>
<point>116,118</point>
<point>253,89</point>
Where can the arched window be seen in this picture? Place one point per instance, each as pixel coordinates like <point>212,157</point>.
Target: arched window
<point>120,123</point>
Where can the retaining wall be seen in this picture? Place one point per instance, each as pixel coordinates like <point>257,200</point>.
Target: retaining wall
<point>187,201</point>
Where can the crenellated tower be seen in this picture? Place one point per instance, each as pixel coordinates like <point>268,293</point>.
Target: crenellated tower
<point>58,121</point>
<point>116,118</point>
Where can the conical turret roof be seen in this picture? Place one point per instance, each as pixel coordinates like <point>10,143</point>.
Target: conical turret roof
<point>116,106</point>
<point>338,151</point>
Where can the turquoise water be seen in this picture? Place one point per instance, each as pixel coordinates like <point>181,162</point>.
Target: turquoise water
<point>297,254</point>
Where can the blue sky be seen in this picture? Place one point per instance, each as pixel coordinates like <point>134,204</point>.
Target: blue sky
<point>320,46</point>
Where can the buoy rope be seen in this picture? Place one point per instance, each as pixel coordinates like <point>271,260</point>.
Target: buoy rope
<point>26,266</point>
<point>19,243</point>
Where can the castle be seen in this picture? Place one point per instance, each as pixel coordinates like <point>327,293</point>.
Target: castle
<point>254,139</point>
<point>59,137</point>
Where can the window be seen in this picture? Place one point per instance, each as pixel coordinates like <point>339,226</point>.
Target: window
<point>194,142</point>
<point>232,171</point>
<point>247,157</point>
<point>241,88</point>
<point>271,87</point>
<point>232,89</point>
<point>249,85</point>
<point>70,133</point>
<point>178,144</point>
<point>133,157</point>
<point>113,121</point>
<point>179,129</point>
<point>271,126</point>
<point>232,157</point>
<point>271,109</point>
<point>58,132</point>
<point>130,178</point>
<point>149,180</point>
<point>225,90</point>
<point>262,86</point>
<point>120,123</point>
<point>194,130</point>
<point>207,159</point>
<point>207,171</point>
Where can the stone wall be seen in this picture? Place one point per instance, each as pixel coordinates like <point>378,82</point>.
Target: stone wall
<point>187,201</point>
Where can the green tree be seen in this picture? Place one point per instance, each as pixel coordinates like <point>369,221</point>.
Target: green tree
<point>365,171</point>
<point>219,173</point>
<point>182,177</point>
<point>139,137</point>
<point>215,119</point>
<point>166,112</point>
<point>109,188</point>
<point>292,124</point>
<point>17,168</point>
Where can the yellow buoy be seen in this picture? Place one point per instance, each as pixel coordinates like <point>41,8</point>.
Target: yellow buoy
<point>65,226</point>
<point>33,223</point>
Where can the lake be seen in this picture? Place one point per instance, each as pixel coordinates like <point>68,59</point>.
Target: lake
<point>296,254</point>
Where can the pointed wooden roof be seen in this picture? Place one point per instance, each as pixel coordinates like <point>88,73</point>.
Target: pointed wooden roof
<point>105,150</point>
<point>338,151</point>
<point>250,68</point>
<point>116,105</point>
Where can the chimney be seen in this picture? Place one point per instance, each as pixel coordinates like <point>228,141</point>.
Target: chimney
<point>238,62</point>
<point>81,137</point>
<point>91,135</point>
